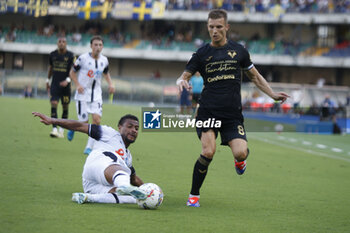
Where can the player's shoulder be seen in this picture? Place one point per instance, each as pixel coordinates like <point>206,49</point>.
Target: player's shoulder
<point>54,52</point>
<point>107,129</point>
<point>235,45</point>
<point>70,53</point>
<point>103,57</point>
<point>203,49</point>
<point>85,55</point>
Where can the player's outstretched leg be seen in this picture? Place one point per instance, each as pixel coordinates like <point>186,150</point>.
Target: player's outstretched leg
<point>70,135</point>
<point>113,198</point>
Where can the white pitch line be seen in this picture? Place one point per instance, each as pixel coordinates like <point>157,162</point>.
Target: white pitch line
<point>302,149</point>
<point>306,143</point>
<point>292,140</point>
<point>337,150</point>
<point>321,146</point>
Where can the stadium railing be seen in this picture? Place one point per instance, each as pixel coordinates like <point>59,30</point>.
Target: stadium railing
<point>164,91</point>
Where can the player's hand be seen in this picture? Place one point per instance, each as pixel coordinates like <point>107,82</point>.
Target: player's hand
<point>80,89</point>
<point>64,83</point>
<point>280,96</point>
<point>111,90</point>
<point>43,118</point>
<point>48,87</point>
<point>181,83</point>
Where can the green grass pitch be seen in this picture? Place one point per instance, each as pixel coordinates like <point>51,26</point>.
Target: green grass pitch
<point>293,183</point>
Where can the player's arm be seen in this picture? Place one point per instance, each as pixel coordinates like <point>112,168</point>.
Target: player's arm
<point>73,76</point>
<point>67,124</point>
<point>182,81</point>
<point>109,81</point>
<point>49,75</point>
<point>134,179</point>
<point>259,81</point>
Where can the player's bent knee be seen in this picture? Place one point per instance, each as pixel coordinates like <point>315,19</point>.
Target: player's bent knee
<point>208,152</point>
<point>240,155</point>
<point>96,120</point>
<point>54,103</point>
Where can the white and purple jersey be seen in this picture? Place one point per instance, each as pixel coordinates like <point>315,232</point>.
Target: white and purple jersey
<point>110,140</point>
<point>90,76</point>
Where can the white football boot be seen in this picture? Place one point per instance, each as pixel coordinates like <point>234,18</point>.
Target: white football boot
<point>80,198</point>
<point>54,133</point>
<point>133,191</point>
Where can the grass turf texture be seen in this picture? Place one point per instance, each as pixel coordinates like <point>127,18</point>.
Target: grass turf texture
<point>285,188</point>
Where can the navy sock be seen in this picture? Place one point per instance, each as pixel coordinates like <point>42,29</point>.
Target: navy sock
<point>53,114</point>
<point>200,170</point>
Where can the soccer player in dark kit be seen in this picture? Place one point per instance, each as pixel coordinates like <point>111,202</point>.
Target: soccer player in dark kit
<point>60,63</point>
<point>221,63</point>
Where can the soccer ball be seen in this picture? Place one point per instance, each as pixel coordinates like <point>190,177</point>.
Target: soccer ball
<point>154,198</point>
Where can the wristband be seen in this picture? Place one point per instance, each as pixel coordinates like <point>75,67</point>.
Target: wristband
<point>47,80</point>
<point>68,79</point>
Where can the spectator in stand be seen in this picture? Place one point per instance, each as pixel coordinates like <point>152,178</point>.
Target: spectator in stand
<point>11,35</point>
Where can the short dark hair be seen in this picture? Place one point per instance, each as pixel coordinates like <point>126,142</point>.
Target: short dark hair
<point>96,38</point>
<point>127,116</point>
<point>217,14</point>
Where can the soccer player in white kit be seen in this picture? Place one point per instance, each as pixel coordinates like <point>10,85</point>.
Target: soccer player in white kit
<point>88,96</point>
<point>108,175</point>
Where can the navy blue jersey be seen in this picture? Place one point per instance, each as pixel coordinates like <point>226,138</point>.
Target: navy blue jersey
<point>221,69</point>
<point>61,65</point>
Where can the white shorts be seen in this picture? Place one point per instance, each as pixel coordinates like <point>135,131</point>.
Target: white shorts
<point>85,108</point>
<point>94,180</point>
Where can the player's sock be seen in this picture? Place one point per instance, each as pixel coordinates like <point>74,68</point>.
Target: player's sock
<point>111,198</point>
<point>65,114</point>
<point>90,143</point>
<point>54,115</point>
<point>199,172</point>
<point>121,179</point>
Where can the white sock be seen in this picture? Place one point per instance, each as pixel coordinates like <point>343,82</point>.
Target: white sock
<point>60,130</point>
<point>111,198</point>
<point>121,178</point>
<point>90,143</point>
<point>193,196</point>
